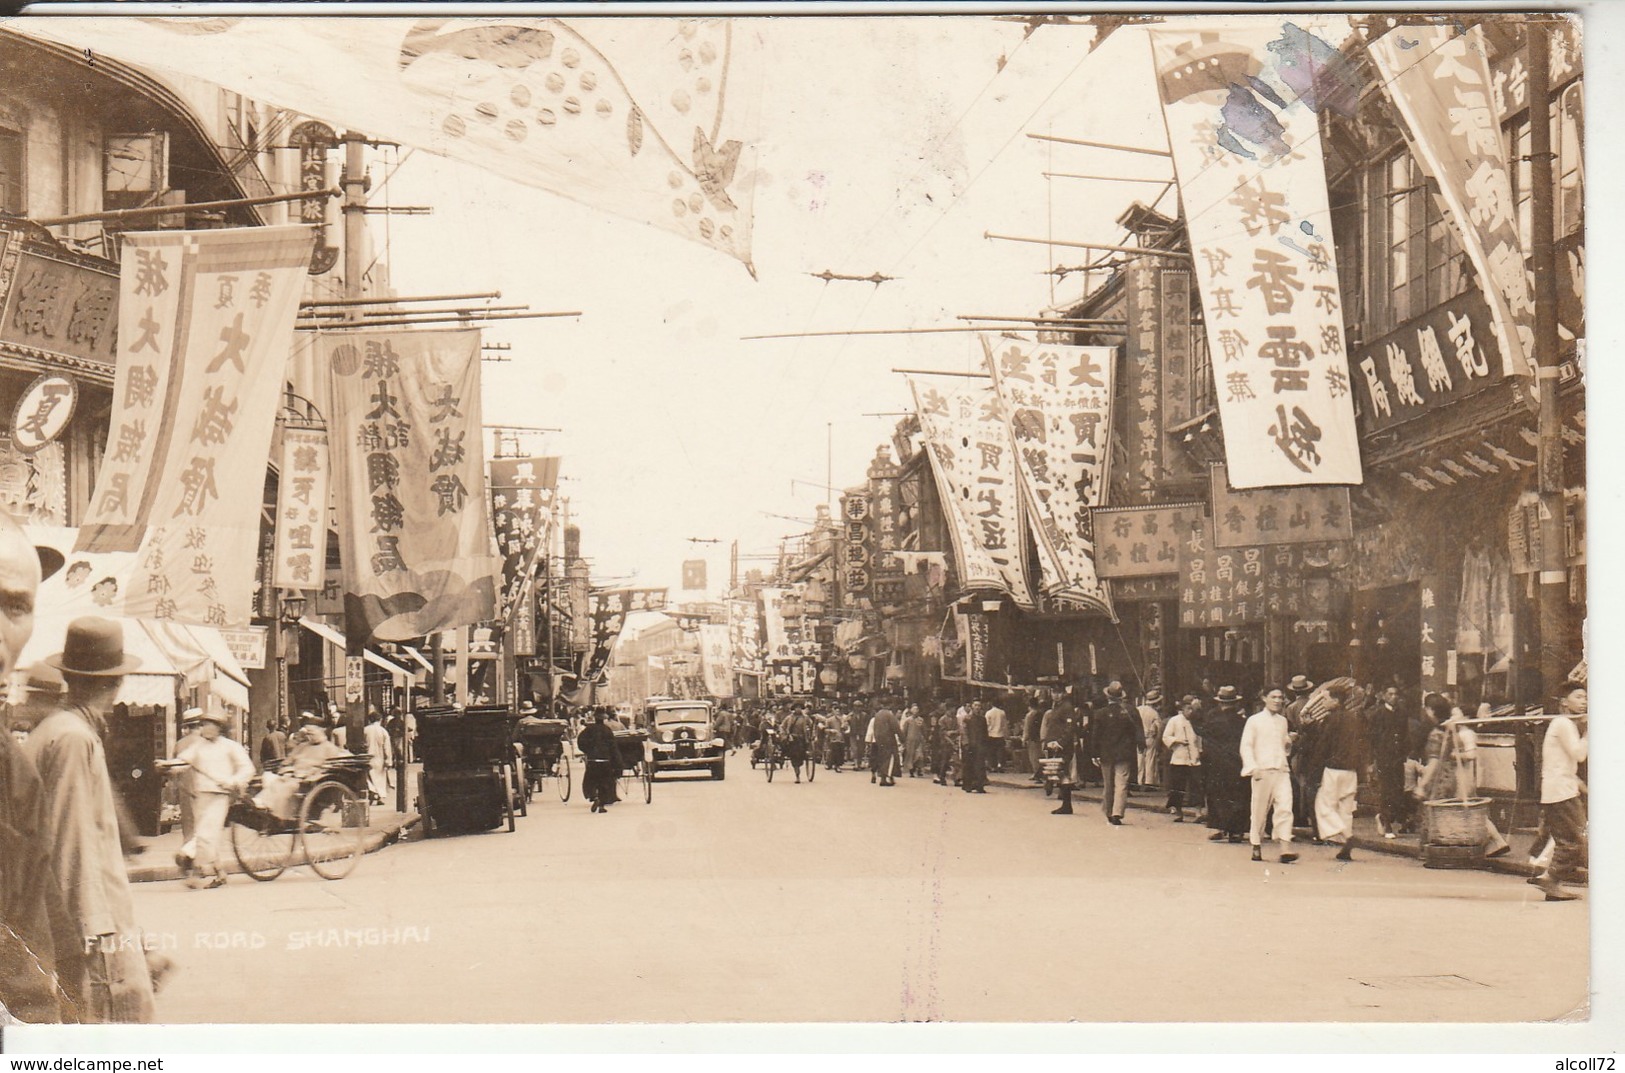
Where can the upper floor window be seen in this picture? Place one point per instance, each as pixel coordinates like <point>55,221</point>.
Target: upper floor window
<point>13,192</point>
<point>1568,169</point>
<point>1424,265</point>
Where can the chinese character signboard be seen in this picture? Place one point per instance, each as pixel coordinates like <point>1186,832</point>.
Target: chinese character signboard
<point>60,307</point>
<point>1229,586</point>
<point>885,523</point>
<point>301,511</point>
<point>1278,515</point>
<point>1143,541</point>
<point>43,411</point>
<point>1177,388</point>
<point>1246,151</point>
<point>1142,433</point>
<point>407,464</point>
<point>1058,403</point>
<point>1444,355</point>
<point>968,442</point>
<point>857,569</point>
<point>208,456</point>
<point>247,646</point>
<point>1439,81</point>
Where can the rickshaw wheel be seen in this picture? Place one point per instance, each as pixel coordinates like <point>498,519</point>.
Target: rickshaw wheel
<point>333,846</point>
<point>262,855</point>
<point>564,778</point>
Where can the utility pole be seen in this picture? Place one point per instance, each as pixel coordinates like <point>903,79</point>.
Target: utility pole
<point>354,185</point>
<point>1554,589</point>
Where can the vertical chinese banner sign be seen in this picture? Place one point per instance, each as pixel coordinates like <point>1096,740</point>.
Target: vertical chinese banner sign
<point>521,501</point>
<point>408,469</point>
<point>968,442</point>
<point>1058,401</point>
<point>155,271</point>
<point>210,433</point>
<point>301,511</point>
<point>745,631</point>
<point>1439,80</point>
<point>1143,430</point>
<point>1252,179</point>
<point>715,662</point>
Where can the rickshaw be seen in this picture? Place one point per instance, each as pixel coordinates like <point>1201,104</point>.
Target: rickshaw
<point>542,749</point>
<point>469,778</point>
<point>326,819</point>
<point>636,765</point>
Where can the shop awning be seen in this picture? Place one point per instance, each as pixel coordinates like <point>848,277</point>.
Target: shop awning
<point>153,684</point>
<point>332,636</point>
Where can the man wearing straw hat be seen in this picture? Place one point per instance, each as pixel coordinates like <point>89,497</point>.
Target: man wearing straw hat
<point>1562,812</point>
<point>220,771</point>
<point>82,824</point>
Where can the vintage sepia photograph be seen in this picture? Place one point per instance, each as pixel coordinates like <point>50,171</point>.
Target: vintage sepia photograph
<point>490,503</point>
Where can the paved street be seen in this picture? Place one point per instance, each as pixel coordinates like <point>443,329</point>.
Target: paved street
<point>841,901</point>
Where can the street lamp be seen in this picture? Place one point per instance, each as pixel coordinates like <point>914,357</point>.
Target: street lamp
<point>290,609</point>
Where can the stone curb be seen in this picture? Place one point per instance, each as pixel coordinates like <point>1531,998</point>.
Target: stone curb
<point>376,838</point>
<point>1393,847</point>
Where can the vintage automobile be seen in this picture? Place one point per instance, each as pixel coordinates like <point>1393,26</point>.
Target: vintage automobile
<point>683,736</point>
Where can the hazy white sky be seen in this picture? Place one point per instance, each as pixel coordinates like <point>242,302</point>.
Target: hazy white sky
<point>886,144</point>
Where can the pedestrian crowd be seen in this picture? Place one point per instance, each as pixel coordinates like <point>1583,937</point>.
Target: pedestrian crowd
<point>1257,769</point>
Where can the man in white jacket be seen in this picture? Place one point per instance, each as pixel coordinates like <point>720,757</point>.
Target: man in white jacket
<point>220,770</point>
<point>1266,742</point>
<point>1184,757</point>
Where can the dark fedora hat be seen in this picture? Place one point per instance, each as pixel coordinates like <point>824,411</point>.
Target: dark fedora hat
<point>1300,685</point>
<point>43,678</point>
<point>94,647</point>
<point>1227,695</point>
<point>1115,691</point>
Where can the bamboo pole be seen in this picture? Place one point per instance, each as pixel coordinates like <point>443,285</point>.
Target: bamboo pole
<point>470,320</point>
<point>182,209</point>
<point>1104,178</point>
<point>865,331</point>
<point>1143,250</point>
<point>937,372</point>
<point>1051,320</point>
<point>1099,145</point>
<point>461,311</point>
<point>322,302</point>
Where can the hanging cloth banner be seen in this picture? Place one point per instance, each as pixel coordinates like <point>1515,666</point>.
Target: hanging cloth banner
<point>1439,80</point>
<point>521,507</point>
<point>968,442</point>
<point>301,510</point>
<point>413,528</point>
<point>210,433</point>
<point>1058,402</point>
<point>1240,107</point>
<point>650,119</point>
<point>745,633</point>
<point>715,660</point>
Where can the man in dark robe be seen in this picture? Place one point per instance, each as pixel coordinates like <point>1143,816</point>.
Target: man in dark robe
<point>974,750</point>
<point>1229,796</point>
<point>597,744</point>
<point>883,753</point>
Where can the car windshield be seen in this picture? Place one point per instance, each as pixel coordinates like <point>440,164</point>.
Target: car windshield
<point>669,716</point>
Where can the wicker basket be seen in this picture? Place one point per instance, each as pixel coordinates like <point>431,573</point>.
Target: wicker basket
<point>1458,823</point>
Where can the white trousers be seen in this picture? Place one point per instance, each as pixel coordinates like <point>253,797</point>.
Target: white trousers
<point>1272,787</point>
<point>1334,804</point>
<point>209,813</point>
